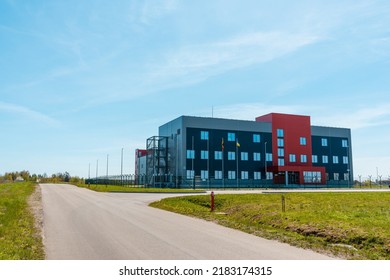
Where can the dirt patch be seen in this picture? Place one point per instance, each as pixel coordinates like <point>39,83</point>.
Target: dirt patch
<point>36,208</point>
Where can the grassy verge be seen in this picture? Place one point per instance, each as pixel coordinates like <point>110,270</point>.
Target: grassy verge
<point>109,188</point>
<point>18,236</point>
<point>347,225</point>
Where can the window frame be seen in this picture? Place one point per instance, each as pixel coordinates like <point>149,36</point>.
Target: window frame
<point>204,135</point>
<point>190,174</point>
<point>231,136</point>
<point>232,175</point>
<point>244,156</point>
<point>218,175</point>
<point>244,175</point>
<point>190,154</point>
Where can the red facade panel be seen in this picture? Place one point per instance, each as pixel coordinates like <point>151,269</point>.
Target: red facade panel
<point>295,141</point>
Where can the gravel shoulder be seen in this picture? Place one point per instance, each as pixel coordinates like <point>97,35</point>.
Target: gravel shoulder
<point>36,208</point>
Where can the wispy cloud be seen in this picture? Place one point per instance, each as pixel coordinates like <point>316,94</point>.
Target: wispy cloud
<point>28,113</point>
<point>249,111</point>
<point>152,10</point>
<point>358,119</point>
<point>378,115</point>
<point>195,63</point>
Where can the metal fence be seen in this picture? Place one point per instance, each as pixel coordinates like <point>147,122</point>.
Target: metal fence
<point>170,181</point>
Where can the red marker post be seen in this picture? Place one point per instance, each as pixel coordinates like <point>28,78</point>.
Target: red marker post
<point>212,201</point>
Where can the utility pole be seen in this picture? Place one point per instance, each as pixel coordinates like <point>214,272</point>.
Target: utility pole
<point>107,172</point>
<point>122,167</point>
<point>265,161</point>
<point>97,169</point>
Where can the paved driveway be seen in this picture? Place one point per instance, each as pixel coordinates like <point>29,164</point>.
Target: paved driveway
<point>82,224</point>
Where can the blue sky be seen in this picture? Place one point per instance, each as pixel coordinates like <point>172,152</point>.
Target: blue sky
<point>83,79</point>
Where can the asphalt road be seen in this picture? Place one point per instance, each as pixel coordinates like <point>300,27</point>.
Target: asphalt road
<point>82,224</point>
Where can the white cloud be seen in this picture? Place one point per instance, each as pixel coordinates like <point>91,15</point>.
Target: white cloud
<point>249,111</point>
<point>377,115</point>
<point>31,114</point>
<point>195,63</point>
<point>155,9</point>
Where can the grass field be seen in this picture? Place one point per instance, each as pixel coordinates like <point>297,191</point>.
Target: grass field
<point>347,225</point>
<point>110,188</point>
<point>18,237</point>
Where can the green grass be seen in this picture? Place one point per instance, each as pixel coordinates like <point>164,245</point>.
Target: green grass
<point>110,188</point>
<point>18,237</point>
<point>347,225</point>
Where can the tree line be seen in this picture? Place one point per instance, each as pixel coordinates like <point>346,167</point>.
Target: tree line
<point>25,175</point>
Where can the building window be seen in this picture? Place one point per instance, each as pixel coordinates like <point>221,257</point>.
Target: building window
<point>256,156</point>
<point>324,159</point>
<point>204,154</point>
<point>335,159</point>
<point>346,176</point>
<point>204,174</point>
<point>231,136</point>
<point>257,175</point>
<point>324,142</point>
<point>345,160</point>
<point>268,157</point>
<point>280,152</point>
<point>281,161</point>
<point>336,176</point>
<point>190,174</point>
<point>204,135</point>
<point>244,175</point>
<point>303,158</point>
<point>311,177</point>
<point>292,158</point>
<point>314,159</point>
<point>280,132</point>
<point>256,138</point>
<point>218,174</point>
<point>269,176</point>
<point>232,175</point>
<point>344,143</point>
<point>280,142</point>
<point>231,155</point>
<point>218,155</point>
<point>190,154</point>
<point>302,141</point>
<point>244,156</point>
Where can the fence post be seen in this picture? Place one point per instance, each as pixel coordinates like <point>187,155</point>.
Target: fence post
<point>283,204</point>
<point>212,201</point>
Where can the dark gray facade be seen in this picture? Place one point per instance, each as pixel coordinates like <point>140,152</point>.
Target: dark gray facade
<point>224,152</point>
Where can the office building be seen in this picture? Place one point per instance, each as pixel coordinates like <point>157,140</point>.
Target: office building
<point>275,149</point>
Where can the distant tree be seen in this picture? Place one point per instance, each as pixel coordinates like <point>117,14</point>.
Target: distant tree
<point>76,180</point>
<point>66,177</point>
<point>34,177</point>
<point>25,175</point>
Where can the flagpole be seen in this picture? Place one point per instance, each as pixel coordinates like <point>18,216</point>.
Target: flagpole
<point>237,160</point>
<point>223,164</point>
<point>208,161</point>
<point>192,163</point>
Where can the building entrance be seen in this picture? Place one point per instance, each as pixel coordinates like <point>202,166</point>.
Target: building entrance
<point>293,177</point>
